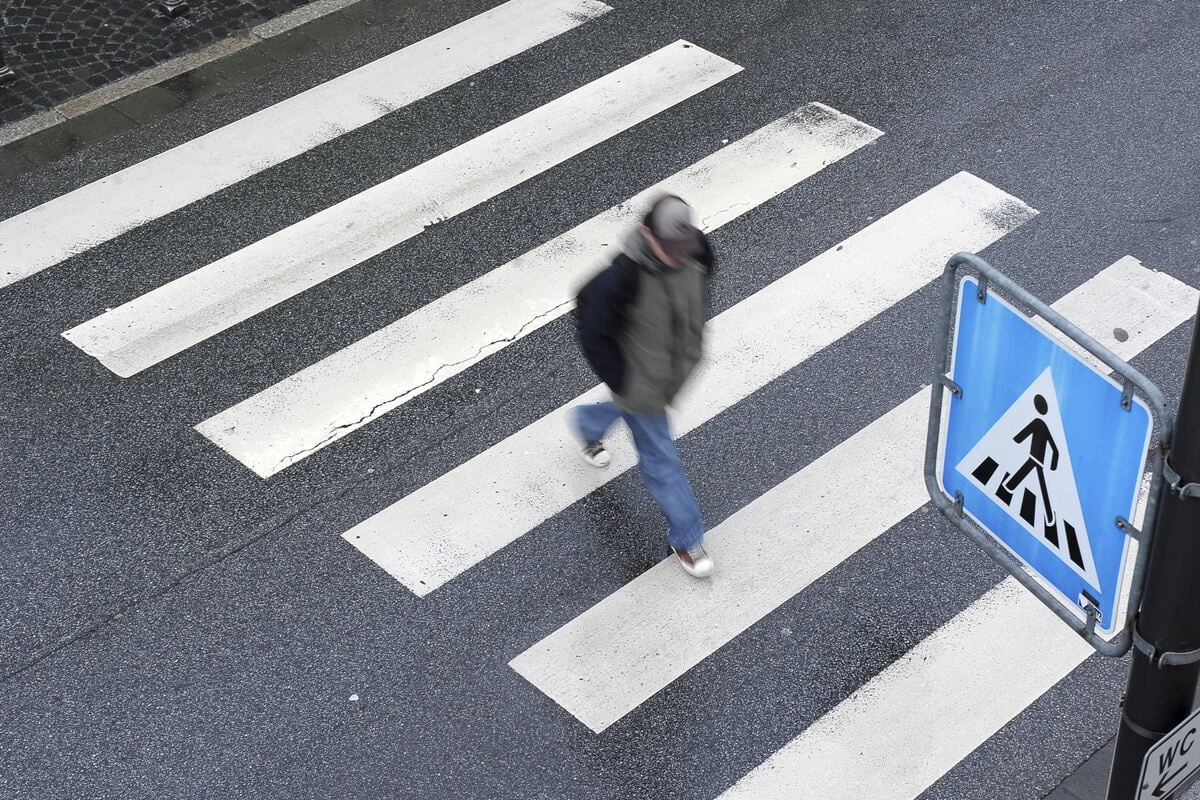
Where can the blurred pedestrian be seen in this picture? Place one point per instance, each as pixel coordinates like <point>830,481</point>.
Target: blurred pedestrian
<point>641,328</point>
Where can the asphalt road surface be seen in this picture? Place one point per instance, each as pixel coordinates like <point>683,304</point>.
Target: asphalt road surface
<point>251,552</point>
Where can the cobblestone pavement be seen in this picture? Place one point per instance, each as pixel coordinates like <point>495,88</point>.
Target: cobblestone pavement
<point>60,49</point>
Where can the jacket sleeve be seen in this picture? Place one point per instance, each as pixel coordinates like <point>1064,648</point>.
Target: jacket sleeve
<point>707,257</point>
<point>708,260</point>
<point>600,309</point>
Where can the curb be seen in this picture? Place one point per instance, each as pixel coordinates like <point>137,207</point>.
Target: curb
<point>47,124</point>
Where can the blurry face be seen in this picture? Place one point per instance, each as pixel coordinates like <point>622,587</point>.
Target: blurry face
<point>656,248</point>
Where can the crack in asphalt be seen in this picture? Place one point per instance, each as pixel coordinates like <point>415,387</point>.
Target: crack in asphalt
<point>333,434</point>
<point>705,219</point>
<point>219,556</point>
<point>281,522</point>
<point>1163,220</point>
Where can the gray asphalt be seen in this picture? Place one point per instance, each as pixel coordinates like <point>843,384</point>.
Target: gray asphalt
<point>173,626</point>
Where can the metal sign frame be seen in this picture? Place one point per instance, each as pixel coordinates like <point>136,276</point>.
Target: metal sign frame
<point>952,508</point>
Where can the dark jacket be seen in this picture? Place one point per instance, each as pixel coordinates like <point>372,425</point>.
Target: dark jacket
<point>641,324</point>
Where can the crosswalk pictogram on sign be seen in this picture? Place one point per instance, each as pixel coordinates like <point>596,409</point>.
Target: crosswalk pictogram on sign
<point>1023,465</point>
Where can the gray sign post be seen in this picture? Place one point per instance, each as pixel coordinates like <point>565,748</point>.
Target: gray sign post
<point>1163,672</point>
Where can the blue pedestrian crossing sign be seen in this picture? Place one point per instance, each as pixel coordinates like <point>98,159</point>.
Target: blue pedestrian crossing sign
<point>1044,454</point>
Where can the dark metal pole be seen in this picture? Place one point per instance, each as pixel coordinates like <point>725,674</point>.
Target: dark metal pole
<point>6,73</point>
<point>1160,693</point>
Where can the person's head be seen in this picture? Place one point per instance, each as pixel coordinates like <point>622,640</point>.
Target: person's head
<point>669,231</point>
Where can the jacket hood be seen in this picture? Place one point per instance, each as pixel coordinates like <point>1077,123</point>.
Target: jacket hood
<point>638,249</point>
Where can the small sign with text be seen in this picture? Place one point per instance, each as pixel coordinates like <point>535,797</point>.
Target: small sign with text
<point>1171,761</point>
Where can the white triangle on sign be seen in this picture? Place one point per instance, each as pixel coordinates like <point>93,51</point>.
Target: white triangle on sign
<point>1023,465</point>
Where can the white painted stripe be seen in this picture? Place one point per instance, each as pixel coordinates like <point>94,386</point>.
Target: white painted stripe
<point>188,310</point>
<point>607,661</point>
<point>104,209</point>
<point>431,536</point>
<point>905,728</point>
<point>319,405</point>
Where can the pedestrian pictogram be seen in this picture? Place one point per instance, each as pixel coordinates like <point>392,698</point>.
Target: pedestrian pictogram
<point>1023,464</point>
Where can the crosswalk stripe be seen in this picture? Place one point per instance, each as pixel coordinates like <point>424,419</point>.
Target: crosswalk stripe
<point>431,536</point>
<point>173,317</point>
<point>79,220</point>
<point>607,661</point>
<point>905,728</point>
<point>330,399</point>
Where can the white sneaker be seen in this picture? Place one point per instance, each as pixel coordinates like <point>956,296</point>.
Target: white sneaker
<point>695,561</point>
<point>595,454</point>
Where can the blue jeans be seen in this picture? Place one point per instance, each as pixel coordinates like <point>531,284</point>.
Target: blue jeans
<point>659,462</point>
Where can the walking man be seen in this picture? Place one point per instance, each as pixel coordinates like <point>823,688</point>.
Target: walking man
<point>1040,438</point>
<point>641,328</point>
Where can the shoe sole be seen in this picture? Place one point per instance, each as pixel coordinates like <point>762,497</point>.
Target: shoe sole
<point>691,570</point>
<point>591,463</point>
<point>575,435</point>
